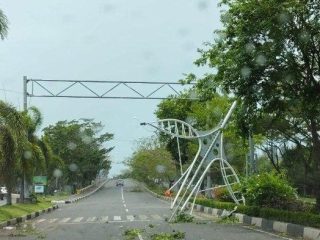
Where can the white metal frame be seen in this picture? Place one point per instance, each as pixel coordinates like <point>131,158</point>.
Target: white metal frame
<point>210,150</point>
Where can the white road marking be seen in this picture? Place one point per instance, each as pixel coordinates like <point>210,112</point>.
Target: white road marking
<point>127,210</point>
<point>130,217</point>
<point>91,219</point>
<point>122,194</point>
<point>139,236</point>
<point>64,220</point>
<point>156,217</point>
<point>116,218</point>
<point>40,220</point>
<point>143,217</point>
<point>124,205</point>
<point>78,219</point>
<point>52,220</point>
<point>104,219</point>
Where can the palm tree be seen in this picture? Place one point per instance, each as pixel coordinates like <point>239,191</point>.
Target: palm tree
<point>33,160</point>
<point>12,138</point>
<point>3,25</point>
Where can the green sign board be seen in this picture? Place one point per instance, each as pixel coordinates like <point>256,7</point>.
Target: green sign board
<point>40,180</point>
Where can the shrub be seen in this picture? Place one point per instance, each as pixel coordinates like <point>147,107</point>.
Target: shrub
<point>268,190</point>
<point>303,218</point>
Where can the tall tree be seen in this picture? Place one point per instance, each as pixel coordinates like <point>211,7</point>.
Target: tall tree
<point>81,146</point>
<point>268,55</point>
<point>12,139</point>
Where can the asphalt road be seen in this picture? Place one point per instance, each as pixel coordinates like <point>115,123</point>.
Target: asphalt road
<point>111,211</point>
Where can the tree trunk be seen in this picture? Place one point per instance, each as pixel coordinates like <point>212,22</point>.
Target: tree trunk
<point>9,197</point>
<point>22,190</point>
<point>316,160</point>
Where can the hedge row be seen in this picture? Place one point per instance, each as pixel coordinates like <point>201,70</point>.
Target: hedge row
<point>302,218</point>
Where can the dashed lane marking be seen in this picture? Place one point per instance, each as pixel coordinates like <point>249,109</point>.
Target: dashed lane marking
<point>116,218</point>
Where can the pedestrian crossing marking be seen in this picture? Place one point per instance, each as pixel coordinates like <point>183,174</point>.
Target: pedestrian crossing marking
<point>104,219</point>
<point>40,220</point>
<point>130,217</point>
<point>78,219</point>
<point>156,217</point>
<point>143,217</point>
<point>52,220</point>
<point>91,219</point>
<point>65,220</point>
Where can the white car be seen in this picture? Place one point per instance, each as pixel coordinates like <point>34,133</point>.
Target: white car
<point>3,192</point>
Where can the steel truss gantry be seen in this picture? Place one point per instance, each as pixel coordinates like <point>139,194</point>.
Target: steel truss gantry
<point>63,89</point>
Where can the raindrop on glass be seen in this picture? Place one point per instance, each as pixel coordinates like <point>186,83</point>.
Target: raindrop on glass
<point>27,154</point>
<point>72,145</point>
<point>261,60</point>
<point>249,48</point>
<point>57,173</point>
<point>245,72</point>
<point>73,167</point>
<point>160,168</point>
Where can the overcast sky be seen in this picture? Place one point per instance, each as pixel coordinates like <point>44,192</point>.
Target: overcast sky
<point>120,40</point>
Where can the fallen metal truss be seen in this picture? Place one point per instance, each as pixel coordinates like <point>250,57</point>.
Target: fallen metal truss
<point>210,150</point>
<point>106,89</point>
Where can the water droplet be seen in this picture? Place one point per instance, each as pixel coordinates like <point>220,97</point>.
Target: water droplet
<point>160,168</point>
<point>27,154</point>
<point>250,48</point>
<point>72,145</point>
<point>73,167</point>
<point>245,72</point>
<point>305,37</point>
<point>261,60</point>
<point>57,173</point>
<point>284,18</point>
<point>86,139</point>
<point>202,5</point>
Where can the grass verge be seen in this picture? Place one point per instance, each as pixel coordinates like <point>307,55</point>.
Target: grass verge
<point>21,209</point>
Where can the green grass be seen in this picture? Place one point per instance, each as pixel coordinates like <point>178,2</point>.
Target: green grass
<point>49,198</point>
<point>308,200</point>
<point>21,209</point>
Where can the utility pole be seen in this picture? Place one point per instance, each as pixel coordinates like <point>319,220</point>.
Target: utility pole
<point>25,108</point>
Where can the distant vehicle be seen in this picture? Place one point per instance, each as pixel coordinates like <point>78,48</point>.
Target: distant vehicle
<point>3,192</point>
<point>119,182</point>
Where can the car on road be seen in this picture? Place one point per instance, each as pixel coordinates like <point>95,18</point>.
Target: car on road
<point>3,192</point>
<point>119,182</point>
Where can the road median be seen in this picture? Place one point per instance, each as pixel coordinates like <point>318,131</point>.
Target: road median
<point>290,229</point>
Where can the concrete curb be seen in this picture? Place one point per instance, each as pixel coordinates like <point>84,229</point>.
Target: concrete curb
<point>67,201</point>
<point>307,233</point>
<point>29,216</point>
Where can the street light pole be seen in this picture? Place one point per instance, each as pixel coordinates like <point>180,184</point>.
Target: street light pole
<point>25,108</point>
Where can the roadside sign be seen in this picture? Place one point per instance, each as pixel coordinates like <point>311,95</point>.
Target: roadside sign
<point>39,188</point>
<point>40,180</point>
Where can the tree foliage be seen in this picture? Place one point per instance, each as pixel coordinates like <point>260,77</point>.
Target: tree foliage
<point>268,55</point>
<point>81,146</point>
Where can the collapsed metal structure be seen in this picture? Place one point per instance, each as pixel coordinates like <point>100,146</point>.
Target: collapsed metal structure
<point>210,150</point>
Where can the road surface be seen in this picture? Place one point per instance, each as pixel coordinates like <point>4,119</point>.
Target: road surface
<point>112,211</point>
